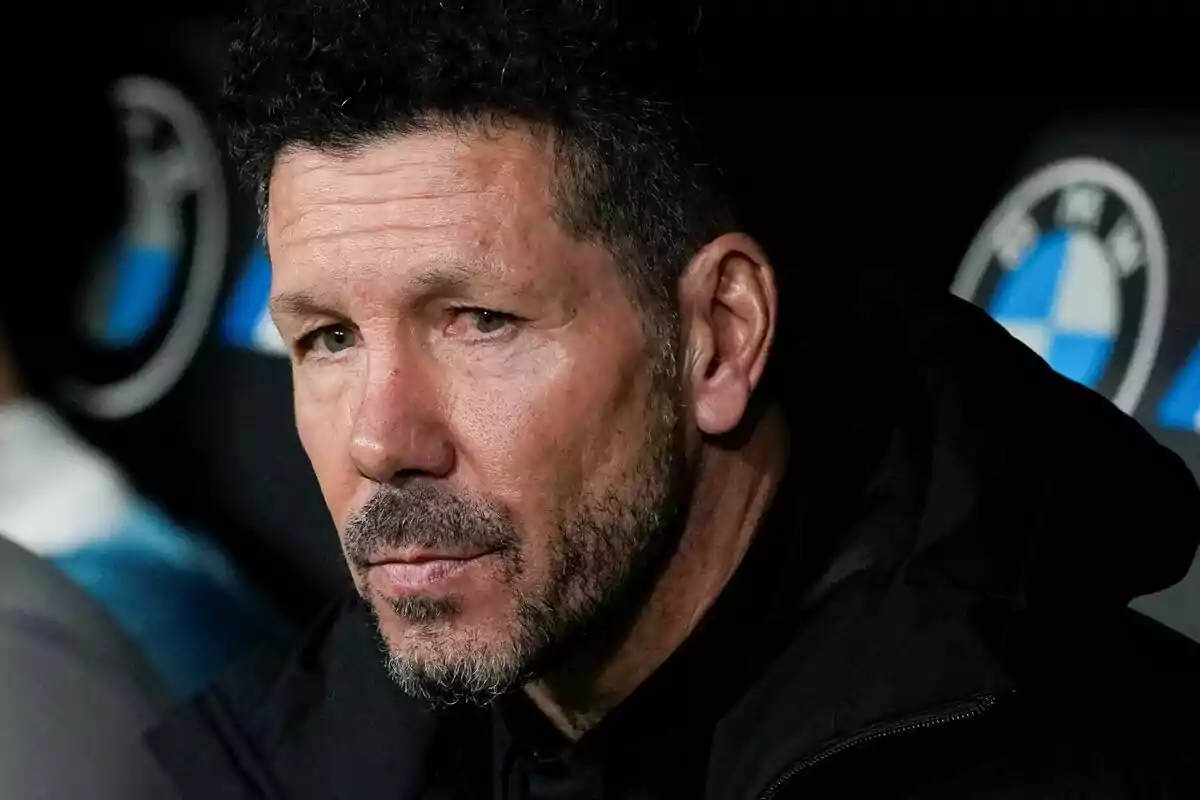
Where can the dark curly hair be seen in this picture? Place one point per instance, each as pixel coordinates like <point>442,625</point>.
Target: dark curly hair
<point>625,90</point>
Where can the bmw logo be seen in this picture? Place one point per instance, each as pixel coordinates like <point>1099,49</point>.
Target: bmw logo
<point>152,295</point>
<point>1074,264</point>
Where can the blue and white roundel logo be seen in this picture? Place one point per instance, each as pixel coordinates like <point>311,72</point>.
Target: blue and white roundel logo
<point>1073,264</point>
<point>152,296</point>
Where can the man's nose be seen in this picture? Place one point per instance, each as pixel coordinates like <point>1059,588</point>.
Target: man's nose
<point>398,430</point>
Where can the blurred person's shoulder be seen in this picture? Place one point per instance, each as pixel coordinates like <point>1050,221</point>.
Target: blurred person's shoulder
<point>68,502</point>
<point>63,659</point>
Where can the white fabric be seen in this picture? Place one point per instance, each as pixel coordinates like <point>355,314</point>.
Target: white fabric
<point>56,492</point>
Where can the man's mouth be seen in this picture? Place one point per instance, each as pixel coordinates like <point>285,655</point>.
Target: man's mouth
<point>422,570</point>
<point>423,555</point>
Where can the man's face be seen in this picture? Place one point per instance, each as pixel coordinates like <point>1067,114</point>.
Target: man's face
<point>497,439</point>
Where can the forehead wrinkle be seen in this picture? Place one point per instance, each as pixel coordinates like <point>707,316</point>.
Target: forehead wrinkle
<point>336,189</point>
<point>303,218</point>
<point>374,238</point>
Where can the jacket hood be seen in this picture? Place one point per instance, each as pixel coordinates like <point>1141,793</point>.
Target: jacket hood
<point>1008,480</point>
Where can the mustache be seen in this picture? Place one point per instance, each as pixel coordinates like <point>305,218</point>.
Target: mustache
<point>420,515</point>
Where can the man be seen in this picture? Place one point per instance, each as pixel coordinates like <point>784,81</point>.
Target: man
<point>609,538</point>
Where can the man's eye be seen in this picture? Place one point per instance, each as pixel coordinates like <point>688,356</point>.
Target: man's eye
<point>489,321</point>
<point>480,322</point>
<point>332,339</point>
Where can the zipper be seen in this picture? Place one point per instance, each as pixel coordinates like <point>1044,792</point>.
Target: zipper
<point>959,712</point>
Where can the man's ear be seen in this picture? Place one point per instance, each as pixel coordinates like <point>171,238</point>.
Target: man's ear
<point>729,306</point>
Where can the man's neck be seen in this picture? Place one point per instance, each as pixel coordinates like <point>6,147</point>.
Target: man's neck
<point>732,496</point>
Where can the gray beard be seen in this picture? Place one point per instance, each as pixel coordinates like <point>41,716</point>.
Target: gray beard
<point>602,568</point>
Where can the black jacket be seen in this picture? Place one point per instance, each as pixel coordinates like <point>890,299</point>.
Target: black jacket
<point>935,609</point>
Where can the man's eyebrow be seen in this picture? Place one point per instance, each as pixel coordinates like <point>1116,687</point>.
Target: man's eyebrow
<point>440,279</point>
<point>446,277</point>
<point>296,304</point>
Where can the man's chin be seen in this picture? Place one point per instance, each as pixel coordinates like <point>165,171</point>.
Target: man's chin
<point>440,678</point>
<point>421,626</point>
<point>440,660</point>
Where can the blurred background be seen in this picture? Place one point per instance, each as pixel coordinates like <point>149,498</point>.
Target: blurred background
<point>146,426</point>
